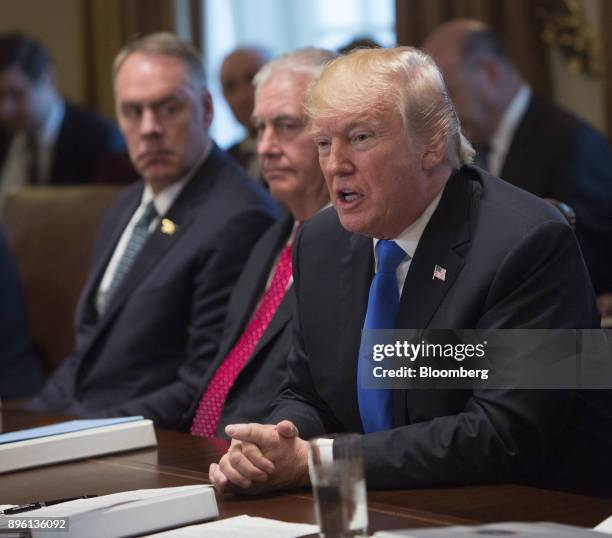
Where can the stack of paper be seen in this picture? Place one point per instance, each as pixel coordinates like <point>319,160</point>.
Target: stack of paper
<point>73,440</point>
<point>125,514</point>
<point>243,526</point>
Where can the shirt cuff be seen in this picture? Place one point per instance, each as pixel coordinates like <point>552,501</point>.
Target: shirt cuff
<point>326,450</point>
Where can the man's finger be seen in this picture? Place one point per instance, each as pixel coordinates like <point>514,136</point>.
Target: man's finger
<point>252,441</point>
<point>255,456</point>
<point>240,463</point>
<point>259,434</point>
<point>253,453</point>
<point>233,476</point>
<point>287,429</point>
<point>217,478</point>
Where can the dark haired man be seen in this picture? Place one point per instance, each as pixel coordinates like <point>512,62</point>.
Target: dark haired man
<point>43,138</point>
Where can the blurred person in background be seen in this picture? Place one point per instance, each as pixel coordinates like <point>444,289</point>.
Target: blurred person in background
<point>20,372</point>
<point>528,140</point>
<point>45,139</point>
<point>237,72</point>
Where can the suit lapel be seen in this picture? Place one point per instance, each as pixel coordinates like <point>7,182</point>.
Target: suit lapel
<point>440,245</point>
<point>252,293</point>
<point>181,213</point>
<point>256,290</point>
<point>443,242</point>
<point>279,320</point>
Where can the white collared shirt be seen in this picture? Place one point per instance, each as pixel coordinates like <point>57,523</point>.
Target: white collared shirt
<point>502,138</point>
<point>15,170</point>
<point>409,239</point>
<point>162,202</point>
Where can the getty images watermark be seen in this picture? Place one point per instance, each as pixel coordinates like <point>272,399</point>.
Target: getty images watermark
<point>487,359</point>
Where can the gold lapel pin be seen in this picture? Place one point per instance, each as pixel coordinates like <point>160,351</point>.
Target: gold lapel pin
<point>168,227</point>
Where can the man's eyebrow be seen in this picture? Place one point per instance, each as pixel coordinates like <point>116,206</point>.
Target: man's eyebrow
<point>316,133</point>
<point>154,104</point>
<point>363,121</point>
<point>276,118</point>
<point>283,117</point>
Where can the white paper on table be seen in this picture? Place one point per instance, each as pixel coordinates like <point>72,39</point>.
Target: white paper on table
<point>242,527</point>
<point>605,526</point>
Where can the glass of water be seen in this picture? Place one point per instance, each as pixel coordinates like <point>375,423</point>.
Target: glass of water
<point>338,485</point>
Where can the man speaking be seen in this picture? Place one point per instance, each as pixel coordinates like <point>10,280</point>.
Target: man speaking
<point>418,239</point>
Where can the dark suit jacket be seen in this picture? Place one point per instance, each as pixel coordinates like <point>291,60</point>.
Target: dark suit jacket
<point>85,138</point>
<point>84,141</point>
<point>20,372</point>
<point>555,155</point>
<point>263,377</point>
<point>511,262</point>
<point>149,350</point>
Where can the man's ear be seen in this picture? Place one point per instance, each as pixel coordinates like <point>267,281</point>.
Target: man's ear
<point>207,107</point>
<point>434,154</point>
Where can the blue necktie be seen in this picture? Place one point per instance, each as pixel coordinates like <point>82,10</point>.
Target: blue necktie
<point>376,405</point>
<point>137,240</point>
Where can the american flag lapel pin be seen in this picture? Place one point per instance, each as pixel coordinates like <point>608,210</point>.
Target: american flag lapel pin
<point>439,273</point>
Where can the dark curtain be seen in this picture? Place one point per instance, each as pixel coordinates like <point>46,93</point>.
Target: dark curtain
<point>110,24</point>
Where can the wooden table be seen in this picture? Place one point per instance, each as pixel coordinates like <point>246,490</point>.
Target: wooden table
<point>181,459</point>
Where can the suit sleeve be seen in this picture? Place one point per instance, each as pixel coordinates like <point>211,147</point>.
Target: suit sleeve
<point>299,402</point>
<point>582,177</point>
<point>21,374</point>
<point>500,435</point>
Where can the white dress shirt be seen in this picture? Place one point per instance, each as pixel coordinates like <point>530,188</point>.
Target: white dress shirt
<point>162,202</point>
<point>409,239</point>
<point>502,138</point>
<point>16,165</point>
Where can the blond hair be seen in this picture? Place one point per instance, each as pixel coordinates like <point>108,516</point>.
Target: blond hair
<point>370,81</point>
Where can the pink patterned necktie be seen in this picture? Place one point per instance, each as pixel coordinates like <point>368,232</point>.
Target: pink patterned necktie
<point>209,409</point>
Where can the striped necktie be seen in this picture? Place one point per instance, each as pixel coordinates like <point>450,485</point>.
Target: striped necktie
<point>133,247</point>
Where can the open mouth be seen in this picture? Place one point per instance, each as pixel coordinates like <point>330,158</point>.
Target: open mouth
<point>347,196</point>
